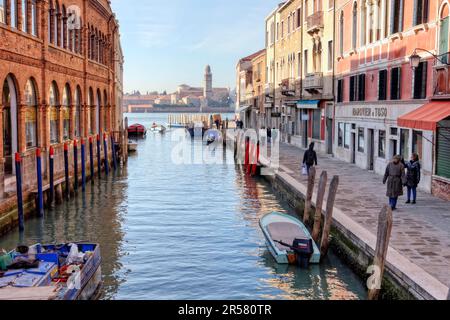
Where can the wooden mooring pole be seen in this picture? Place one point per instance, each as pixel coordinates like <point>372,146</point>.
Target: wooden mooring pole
<point>18,164</point>
<point>40,195</point>
<point>324,243</point>
<point>319,204</point>
<point>385,221</point>
<point>309,194</point>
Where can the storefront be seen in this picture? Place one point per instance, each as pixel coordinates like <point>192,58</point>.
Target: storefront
<point>369,136</point>
<point>434,117</point>
<point>310,124</point>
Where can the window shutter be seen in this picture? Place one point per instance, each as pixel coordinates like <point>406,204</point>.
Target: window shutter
<point>382,85</point>
<point>423,91</point>
<point>416,13</point>
<point>443,152</point>
<point>425,11</point>
<point>392,12</point>
<point>362,87</point>
<point>352,88</point>
<point>400,11</point>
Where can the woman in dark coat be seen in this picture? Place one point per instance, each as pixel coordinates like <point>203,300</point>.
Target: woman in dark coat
<point>395,178</point>
<point>412,177</point>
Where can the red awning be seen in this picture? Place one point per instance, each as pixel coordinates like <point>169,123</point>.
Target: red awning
<point>426,117</point>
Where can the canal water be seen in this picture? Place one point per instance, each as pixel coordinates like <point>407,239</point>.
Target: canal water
<point>183,231</point>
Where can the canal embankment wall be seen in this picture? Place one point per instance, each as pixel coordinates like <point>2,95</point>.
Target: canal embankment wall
<point>356,245</point>
<point>8,197</point>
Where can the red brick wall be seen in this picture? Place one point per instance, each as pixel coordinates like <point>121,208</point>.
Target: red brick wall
<point>441,189</point>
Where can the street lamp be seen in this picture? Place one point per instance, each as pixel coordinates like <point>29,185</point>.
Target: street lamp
<point>414,59</point>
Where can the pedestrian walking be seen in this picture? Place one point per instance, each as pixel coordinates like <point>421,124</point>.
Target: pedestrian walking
<point>395,178</point>
<point>412,177</point>
<point>310,157</point>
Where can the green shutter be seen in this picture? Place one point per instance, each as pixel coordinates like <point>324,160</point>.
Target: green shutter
<point>443,39</point>
<point>443,150</point>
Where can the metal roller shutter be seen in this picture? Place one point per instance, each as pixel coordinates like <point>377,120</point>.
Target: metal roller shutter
<point>443,150</point>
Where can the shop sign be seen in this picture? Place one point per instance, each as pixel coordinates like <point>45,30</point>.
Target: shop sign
<point>365,112</point>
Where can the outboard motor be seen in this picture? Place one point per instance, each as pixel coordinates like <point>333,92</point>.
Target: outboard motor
<point>304,250</point>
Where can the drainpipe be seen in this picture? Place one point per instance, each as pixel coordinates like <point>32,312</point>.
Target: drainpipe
<point>333,78</point>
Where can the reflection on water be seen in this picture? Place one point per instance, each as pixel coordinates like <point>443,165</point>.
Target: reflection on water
<point>184,232</point>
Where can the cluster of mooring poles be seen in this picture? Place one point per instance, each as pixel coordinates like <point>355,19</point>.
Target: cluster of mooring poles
<point>54,186</point>
<point>376,270</point>
<point>251,156</point>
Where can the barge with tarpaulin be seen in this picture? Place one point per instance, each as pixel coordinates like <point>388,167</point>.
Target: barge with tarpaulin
<point>69,271</point>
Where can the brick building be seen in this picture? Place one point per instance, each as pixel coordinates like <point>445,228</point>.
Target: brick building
<point>382,102</point>
<point>61,69</point>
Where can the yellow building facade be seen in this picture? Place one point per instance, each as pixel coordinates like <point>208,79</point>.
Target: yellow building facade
<point>299,67</point>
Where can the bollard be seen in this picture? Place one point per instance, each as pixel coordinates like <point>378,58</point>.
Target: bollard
<point>51,195</point>
<point>40,196</point>
<point>18,161</point>
<point>83,166</point>
<point>113,148</point>
<point>91,158</point>
<point>105,150</point>
<point>66,170</point>
<point>99,163</point>
<point>75,165</point>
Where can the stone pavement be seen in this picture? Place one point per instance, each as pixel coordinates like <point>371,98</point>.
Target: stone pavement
<point>421,232</point>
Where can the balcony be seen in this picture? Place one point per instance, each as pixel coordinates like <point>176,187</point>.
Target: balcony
<point>313,82</point>
<point>441,81</point>
<point>287,87</point>
<point>314,22</point>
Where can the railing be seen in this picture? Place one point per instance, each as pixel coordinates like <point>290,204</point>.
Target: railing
<point>314,21</point>
<point>313,82</point>
<point>268,89</point>
<point>288,87</point>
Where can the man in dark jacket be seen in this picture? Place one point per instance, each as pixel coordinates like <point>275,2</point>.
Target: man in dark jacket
<point>310,157</point>
<point>412,177</point>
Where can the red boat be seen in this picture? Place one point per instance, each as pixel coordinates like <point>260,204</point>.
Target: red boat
<point>137,130</point>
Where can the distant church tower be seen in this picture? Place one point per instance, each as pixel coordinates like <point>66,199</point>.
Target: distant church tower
<point>207,86</point>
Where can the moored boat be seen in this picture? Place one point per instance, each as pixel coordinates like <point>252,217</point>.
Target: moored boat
<point>157,128</point>
<point>137,130</point>
<point>132,146</point>
<point>52,272</point>
<point>288,240</point>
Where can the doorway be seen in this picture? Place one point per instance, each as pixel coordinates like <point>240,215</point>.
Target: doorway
<point>371,149</point>
<point>353,160</point>
<point>10,124</point>
<point>329,136</point>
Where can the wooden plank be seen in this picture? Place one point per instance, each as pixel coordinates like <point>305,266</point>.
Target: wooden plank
<point>324,244</point>
<point>32,293</point>
<point>385,221</point>
<point>319,204</point>
<point>309,194</point>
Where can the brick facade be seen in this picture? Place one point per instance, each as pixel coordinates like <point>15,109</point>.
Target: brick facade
<point>79,62</point>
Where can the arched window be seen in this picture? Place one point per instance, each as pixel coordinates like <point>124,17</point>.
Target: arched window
<point>341,35</point>
<point>24,16</point>
<point>56,25</point>
<point>66,101</point>
<point>53,102</point>
<point>363,29</point>
<point>78,112</point>
<point>31,114</point>
<point>34,26</point>
<point>51,12</point>
<point>355,25</point>
<point>10,136</point>
<point>105,111</point>
<point>443,33</point>
<point>99,112</point>
<point>91,119</point>
<point>2,11</point>
<point>13,13</point>
<point>62,28</point>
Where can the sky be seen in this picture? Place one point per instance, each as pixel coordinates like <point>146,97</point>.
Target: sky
<point>169,42</point>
